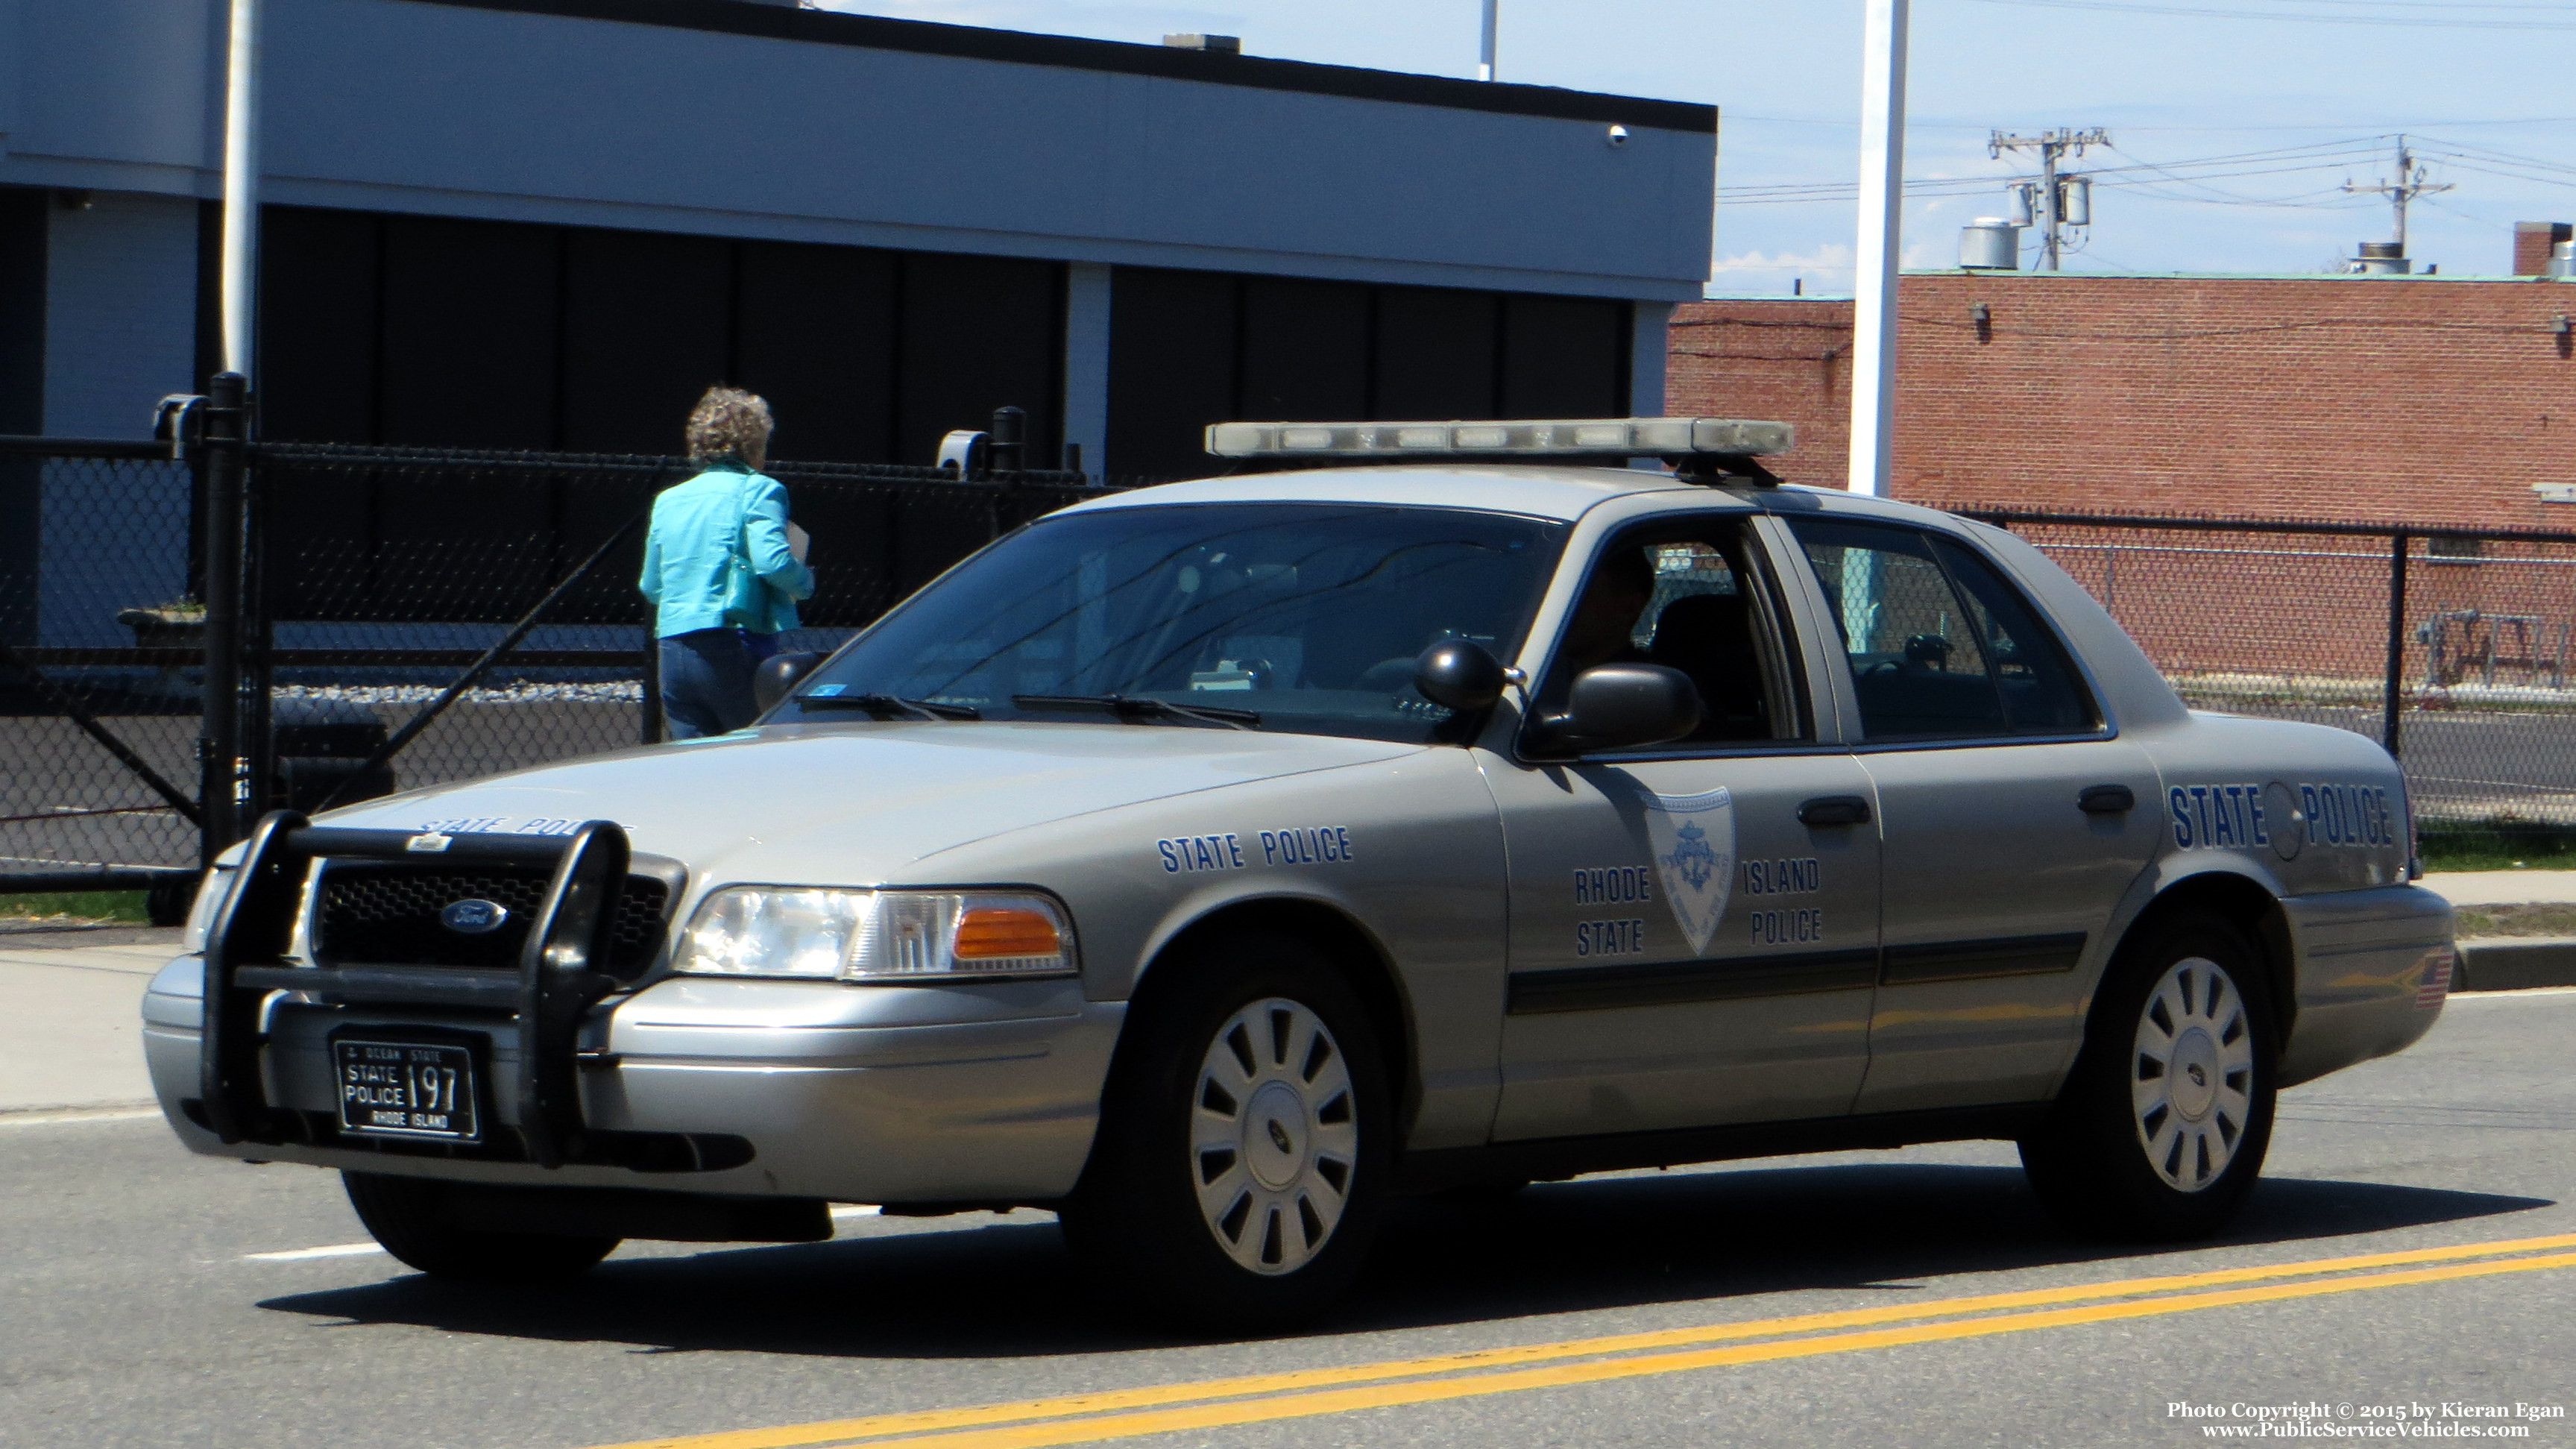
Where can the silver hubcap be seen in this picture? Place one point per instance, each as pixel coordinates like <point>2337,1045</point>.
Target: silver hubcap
<point>1274,1138</point>
<point>2191,1078</point>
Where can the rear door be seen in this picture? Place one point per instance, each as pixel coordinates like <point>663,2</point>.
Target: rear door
<point>2013,817</point>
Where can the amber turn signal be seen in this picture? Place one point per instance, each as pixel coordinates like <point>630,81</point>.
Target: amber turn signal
<point>987,932</point>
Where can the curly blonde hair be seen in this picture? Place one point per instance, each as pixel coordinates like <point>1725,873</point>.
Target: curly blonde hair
<point>729,422</point>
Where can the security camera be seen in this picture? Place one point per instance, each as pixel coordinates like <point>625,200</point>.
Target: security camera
<point>1618,135</point>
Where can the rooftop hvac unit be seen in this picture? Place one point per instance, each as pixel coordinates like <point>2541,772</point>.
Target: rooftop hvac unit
<point>2382,259</point>
<point>2562,260</point>
<point>1990,244</point>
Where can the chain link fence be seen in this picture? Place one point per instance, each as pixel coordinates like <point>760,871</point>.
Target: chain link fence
<point>101,696</point>
<point>2452,648</point>
<point>410,617</point>
<point>413,617</point>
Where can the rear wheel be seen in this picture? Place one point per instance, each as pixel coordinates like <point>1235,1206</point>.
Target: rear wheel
<point>403,1214</point>
<point>2167,1115</point>
<point>1236,1179</point>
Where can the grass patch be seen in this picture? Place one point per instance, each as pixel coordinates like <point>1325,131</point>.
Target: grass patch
<point>76,905</point>
<point>2496,843</point>
<point>2548,919</point>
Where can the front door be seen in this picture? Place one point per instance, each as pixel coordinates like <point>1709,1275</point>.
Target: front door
<point>1685,949</point>
<point>2013,820</point>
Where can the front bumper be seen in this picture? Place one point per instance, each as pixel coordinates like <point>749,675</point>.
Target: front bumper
<point>978,1092</point>
<point>2373,968</point>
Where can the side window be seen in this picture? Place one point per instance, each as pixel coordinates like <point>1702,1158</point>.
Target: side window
<point>1684,596</point>
<point>1939,645</point>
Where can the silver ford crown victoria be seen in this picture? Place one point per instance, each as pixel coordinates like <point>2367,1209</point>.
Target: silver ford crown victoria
<point>1212,863</point>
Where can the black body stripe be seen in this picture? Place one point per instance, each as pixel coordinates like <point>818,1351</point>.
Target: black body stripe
<point>1734,978</point>
<point>1666,983</point>
<point>1968,960</point>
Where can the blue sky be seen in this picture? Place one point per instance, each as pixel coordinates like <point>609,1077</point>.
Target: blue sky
<point>2177,83</point>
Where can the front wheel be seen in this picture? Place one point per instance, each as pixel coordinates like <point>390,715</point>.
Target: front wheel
<point>2166,1117</point>
<point>1235,1182</point>
<point>404,1215</point>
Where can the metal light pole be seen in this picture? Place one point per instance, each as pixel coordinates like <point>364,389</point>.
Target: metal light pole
<point>225,776</point>
<point>241,185</point>
<point>1882,220</point>
<point>1485,66</point>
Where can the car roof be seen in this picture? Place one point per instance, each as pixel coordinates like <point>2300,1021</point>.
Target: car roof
<point>1537,490</point>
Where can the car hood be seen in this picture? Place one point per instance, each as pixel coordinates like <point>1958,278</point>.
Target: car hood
<point>856,802</point>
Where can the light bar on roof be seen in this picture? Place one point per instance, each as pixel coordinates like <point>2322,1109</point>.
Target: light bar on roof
<point>1554,437</point>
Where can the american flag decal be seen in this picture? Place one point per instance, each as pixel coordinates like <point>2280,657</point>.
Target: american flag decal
<point>2437,976</point>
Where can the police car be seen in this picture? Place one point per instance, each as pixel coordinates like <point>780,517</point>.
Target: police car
<point>1214,863</point>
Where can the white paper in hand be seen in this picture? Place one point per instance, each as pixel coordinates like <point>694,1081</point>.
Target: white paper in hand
<point>797,541</point>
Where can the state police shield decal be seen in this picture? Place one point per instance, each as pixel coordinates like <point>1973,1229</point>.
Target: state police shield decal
<point>1694,841</point>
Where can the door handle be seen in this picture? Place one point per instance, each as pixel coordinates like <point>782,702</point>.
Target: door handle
<point>1827,810</point>
<point>2106,800</point>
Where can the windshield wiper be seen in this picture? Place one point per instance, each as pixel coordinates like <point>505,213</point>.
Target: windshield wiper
<point>1140,707</point>
<point>890,704</point>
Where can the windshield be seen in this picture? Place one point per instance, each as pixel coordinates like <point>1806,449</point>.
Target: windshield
<point>1308,616</point>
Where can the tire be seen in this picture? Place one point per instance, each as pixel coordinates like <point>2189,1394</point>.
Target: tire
<point>402,1214</point>
<point>2164,1121</point>
<point>1239,1172</point>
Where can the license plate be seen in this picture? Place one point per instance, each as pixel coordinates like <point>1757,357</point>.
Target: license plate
<point>408,1089</point>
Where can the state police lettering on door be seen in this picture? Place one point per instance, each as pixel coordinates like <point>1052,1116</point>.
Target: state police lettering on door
<point>1609,938</point>
<point>1613,884</point>
<point>1783,877</point>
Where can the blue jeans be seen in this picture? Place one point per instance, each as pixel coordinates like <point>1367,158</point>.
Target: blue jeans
<point>706,680</point>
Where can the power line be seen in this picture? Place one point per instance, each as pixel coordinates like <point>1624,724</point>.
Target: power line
<point>2133,8</point>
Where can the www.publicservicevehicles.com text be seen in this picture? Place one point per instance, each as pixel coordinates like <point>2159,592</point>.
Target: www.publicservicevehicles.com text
<point>2446,1419</point>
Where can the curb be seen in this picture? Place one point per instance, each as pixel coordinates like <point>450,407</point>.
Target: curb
<point>2514,963</point>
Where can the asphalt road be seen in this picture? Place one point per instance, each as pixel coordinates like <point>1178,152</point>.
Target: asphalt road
<point>134,1308</point>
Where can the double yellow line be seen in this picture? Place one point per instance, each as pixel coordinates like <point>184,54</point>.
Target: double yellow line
<point>1259,1398</point>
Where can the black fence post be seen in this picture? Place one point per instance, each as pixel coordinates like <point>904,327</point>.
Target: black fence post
<point>2396,682</point>
<point>220,737</point>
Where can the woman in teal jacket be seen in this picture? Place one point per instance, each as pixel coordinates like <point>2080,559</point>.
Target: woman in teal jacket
<point>718,569</point>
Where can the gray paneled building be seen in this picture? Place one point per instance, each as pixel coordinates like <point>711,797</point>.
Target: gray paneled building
<point>549,223</point>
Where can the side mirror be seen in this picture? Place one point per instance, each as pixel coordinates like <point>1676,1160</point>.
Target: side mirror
<point>1459,674</point>
<point>777,677</point>
<point>1620,706</point>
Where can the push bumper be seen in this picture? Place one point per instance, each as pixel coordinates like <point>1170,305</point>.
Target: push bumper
<point>878,1094</point>
<point>2373,969</point>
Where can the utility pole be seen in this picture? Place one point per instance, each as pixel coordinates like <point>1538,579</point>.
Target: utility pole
<point>1485,69</point>
<point>2410,183</point>
<point>2048,208</point>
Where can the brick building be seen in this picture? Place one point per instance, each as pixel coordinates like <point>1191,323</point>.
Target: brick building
<point>2424,401</point>
<point>2379,399</point>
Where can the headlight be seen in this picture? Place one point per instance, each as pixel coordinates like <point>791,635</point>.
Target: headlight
<point>201,916</point>
<point>876,935</point>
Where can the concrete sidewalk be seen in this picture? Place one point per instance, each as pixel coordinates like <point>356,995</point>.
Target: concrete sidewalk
<point>70,1030</point>
<point>2502,887</point>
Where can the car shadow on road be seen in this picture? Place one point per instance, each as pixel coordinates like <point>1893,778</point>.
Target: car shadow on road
<point>998,1288</point>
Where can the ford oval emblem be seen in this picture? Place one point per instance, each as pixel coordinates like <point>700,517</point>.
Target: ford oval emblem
<point>474,917</point>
